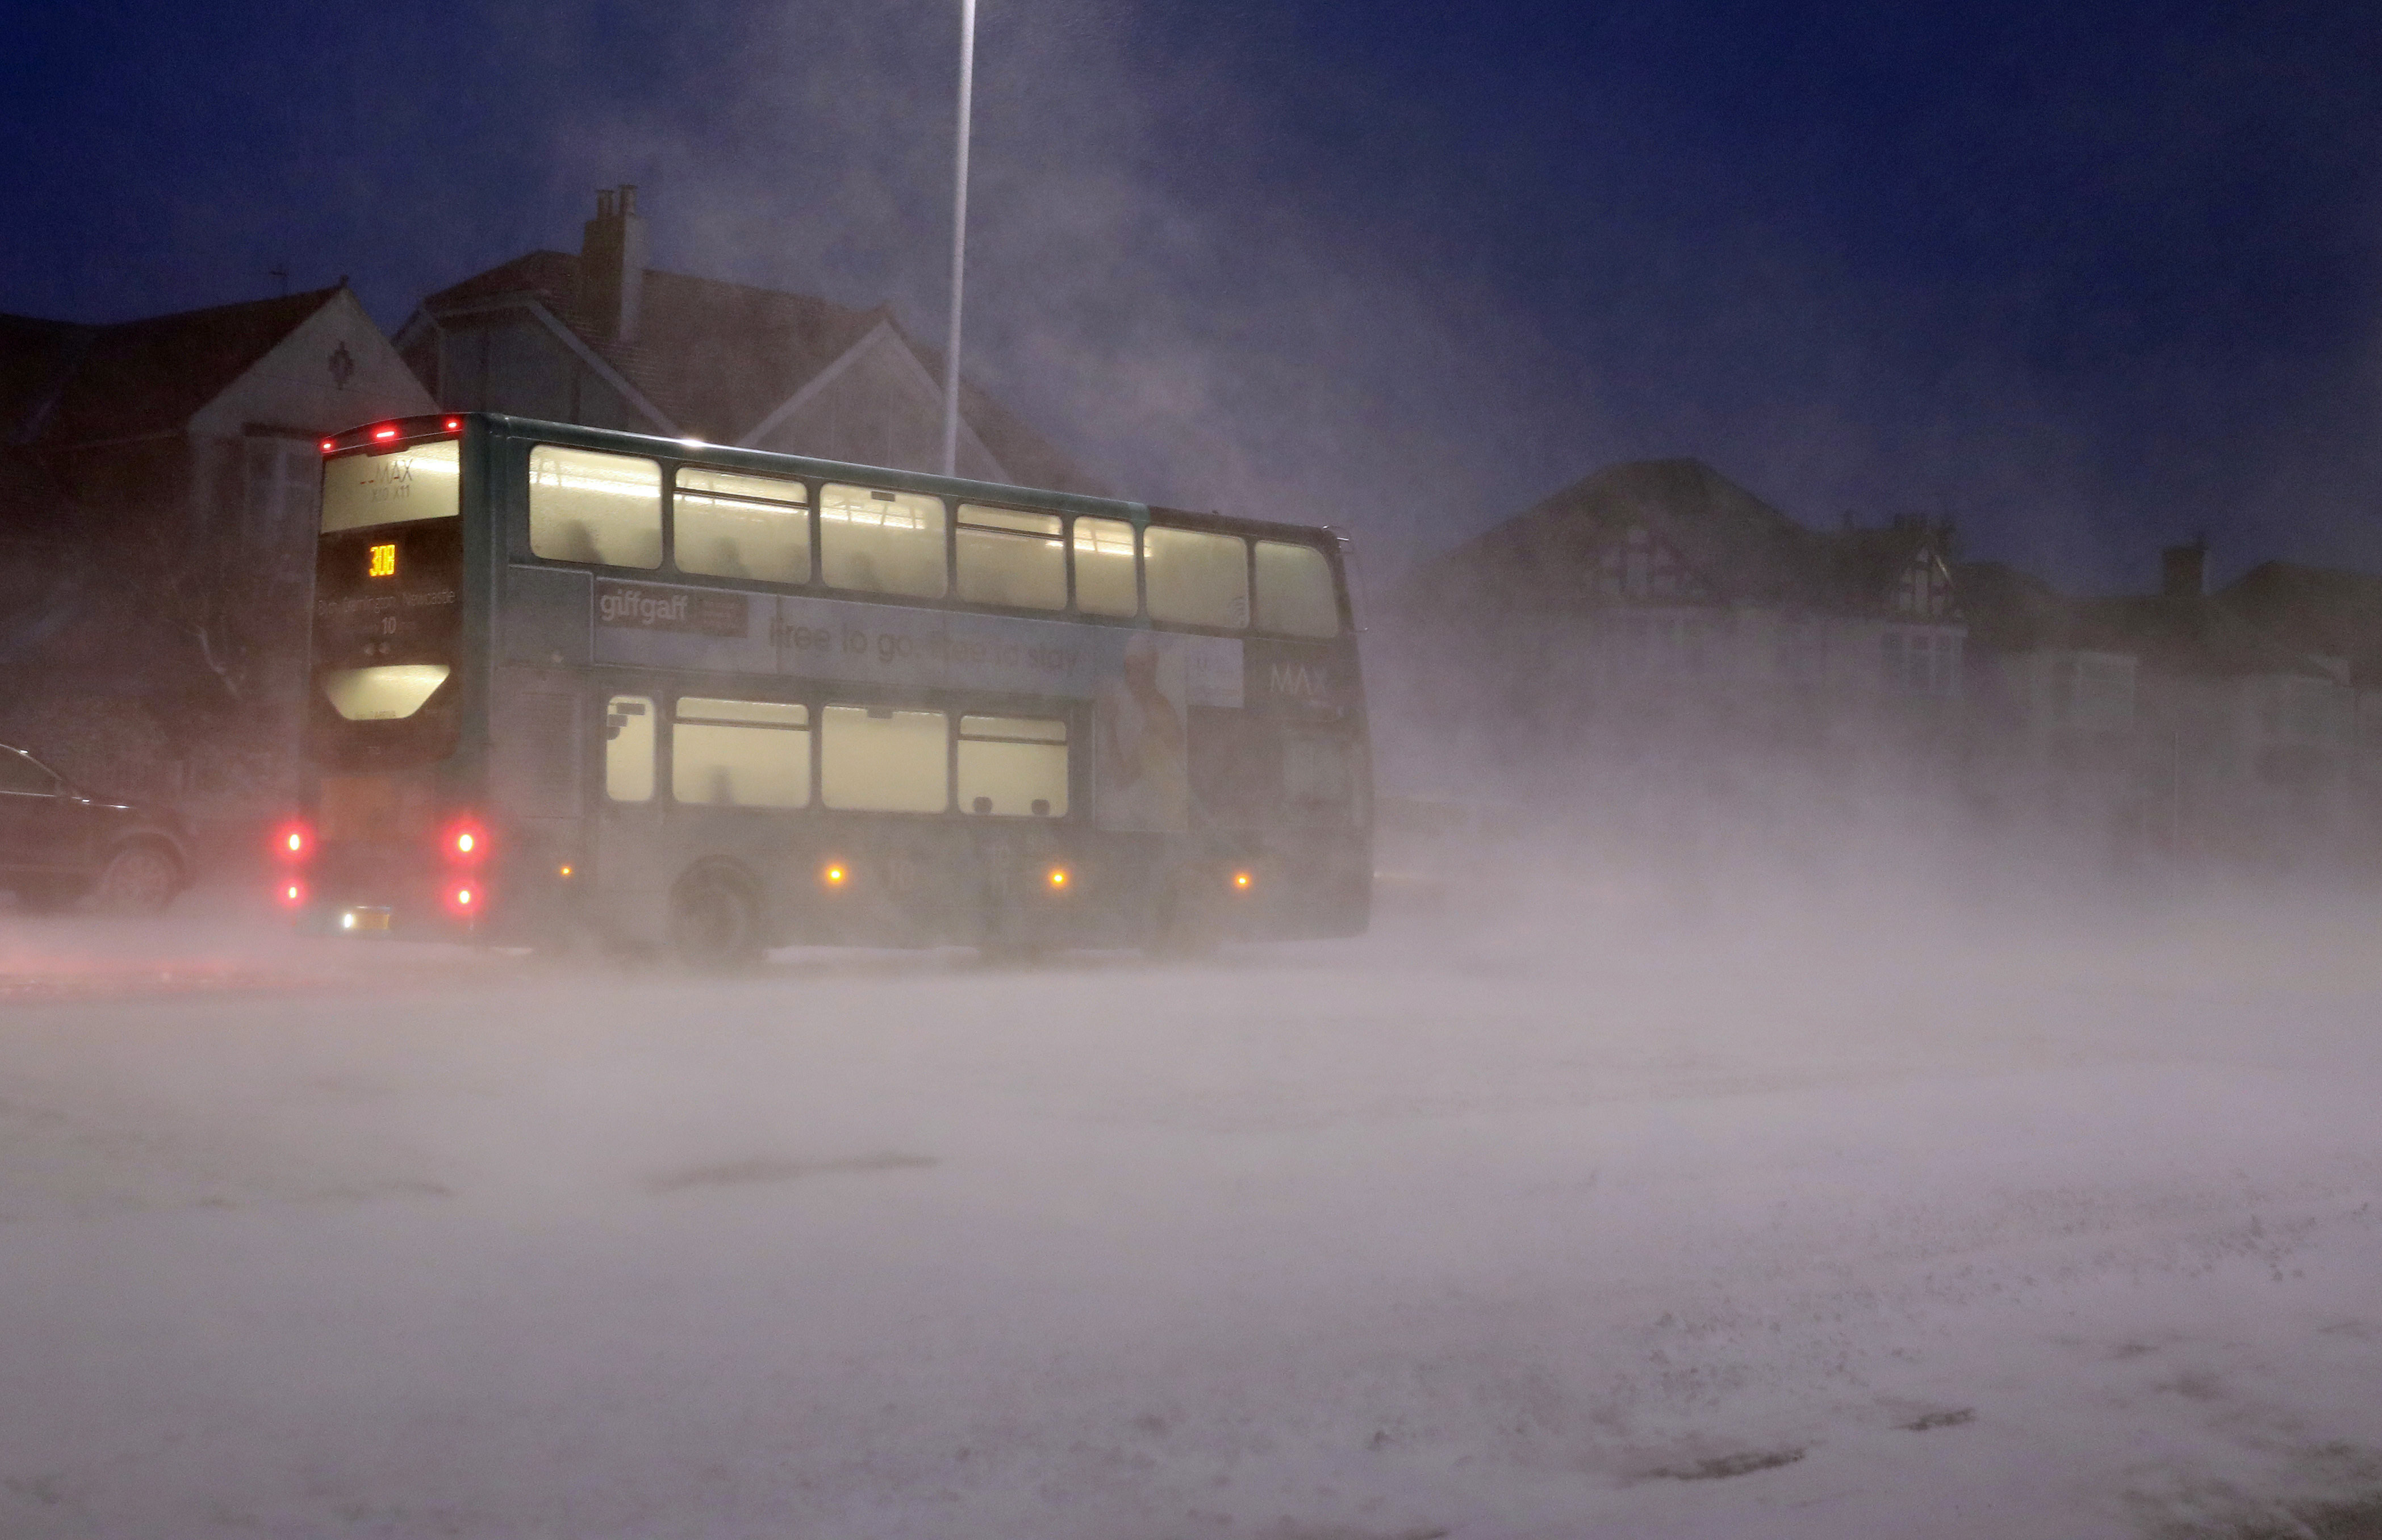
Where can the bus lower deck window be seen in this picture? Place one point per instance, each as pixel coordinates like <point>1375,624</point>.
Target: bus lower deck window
<point>1013,766</point>
<point>885,761</point>
<point>740,754</point>
<point>629,749</point>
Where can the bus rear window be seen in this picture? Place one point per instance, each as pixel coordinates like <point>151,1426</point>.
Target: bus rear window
<point>423,481</point>
<point>388,693</point>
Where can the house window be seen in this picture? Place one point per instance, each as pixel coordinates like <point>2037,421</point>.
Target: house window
<point>1925,591</point>
<point>2102,698</point>
<point>1920,662</point>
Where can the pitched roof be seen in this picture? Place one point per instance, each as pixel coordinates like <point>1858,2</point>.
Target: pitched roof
<point>2008,610</point>
<point>2184,634</point>
<point>717,358</point>
<point>62,385</point>
<point>1743,551</point>
<point>2316,609</point>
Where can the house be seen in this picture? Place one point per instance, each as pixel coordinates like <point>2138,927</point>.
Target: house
<point>2335,617</point>
<point>159,480</point>
<point>2203,723</point>
<point>600,338</point>
<point>1657,606</point>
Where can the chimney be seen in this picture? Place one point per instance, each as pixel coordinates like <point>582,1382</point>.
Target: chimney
<point>613,266</point>
<point>2183,570</point>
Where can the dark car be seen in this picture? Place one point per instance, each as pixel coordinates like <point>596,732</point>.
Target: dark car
<point>59,843</point>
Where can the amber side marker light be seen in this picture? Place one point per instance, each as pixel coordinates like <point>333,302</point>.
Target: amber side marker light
<point>563,871</point>
<point>1243,882</point>
<point>1058,879</point>
<point>833,874</point>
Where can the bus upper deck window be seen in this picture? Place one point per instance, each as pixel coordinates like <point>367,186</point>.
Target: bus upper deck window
<point>880,541</point>
<point>730,526</point>
<point>605,510</point>
<point>1294,595</point>
<point>1197,578</point>
<point>1104,580</point>
<point>1008,558</point>
<point>421,480</point>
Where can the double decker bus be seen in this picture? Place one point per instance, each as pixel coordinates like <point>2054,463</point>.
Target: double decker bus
<point>568,682</point>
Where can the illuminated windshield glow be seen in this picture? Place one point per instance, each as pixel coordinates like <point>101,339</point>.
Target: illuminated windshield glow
<point>386,693</point>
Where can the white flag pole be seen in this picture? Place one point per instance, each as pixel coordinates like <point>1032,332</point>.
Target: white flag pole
<point>959,244</point>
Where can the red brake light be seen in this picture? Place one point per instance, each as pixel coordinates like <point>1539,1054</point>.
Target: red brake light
<point>384,433</point>
<point>293,842</point>
<point>465,841</point>
<point>454,424</point>
<point>462,900</point>
<point>291,894</point>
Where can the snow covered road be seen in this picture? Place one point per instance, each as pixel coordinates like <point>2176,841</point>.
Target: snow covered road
<point>1552,1229</point>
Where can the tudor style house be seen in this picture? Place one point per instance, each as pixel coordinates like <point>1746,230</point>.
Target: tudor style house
<point>159,481</point>
<point>600,338</point>
<point>1657,607</point>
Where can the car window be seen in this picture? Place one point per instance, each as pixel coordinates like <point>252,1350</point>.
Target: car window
<point>20,773</point>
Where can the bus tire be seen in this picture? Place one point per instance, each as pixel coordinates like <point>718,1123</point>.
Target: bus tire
<point>714,922</point>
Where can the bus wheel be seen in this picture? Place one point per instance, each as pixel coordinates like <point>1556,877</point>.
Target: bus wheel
<point>715,923</point>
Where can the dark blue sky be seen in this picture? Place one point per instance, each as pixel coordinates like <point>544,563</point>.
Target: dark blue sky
<point>2084,278</point>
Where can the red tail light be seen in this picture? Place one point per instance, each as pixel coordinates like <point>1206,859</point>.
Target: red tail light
<point>326,445</point>
<point>293,842</point>
<point>465,842</point>
<point>465,900</point>
<point>454,424</point>
<point>291,894</point>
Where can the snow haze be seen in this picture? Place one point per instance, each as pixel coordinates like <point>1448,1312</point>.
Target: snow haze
<point>1550,1209</point>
